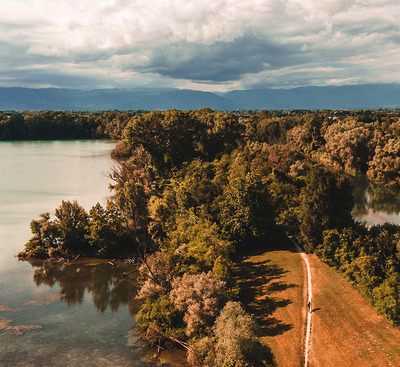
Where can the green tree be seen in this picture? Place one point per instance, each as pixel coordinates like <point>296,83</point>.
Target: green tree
<point>245,212</point>
<point>44,238</point>
<point>387,299</point>
<point>72,223</point>
<point>326,202</point>
<point>160,320</point>
<point>107,232</point>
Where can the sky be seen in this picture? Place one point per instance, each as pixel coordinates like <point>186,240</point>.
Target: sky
<point>212,45</point>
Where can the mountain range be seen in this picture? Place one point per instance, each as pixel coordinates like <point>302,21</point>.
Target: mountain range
<point>363,96</point>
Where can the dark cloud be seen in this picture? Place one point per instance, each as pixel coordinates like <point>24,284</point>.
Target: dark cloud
<point>13,55</point>
<point>45,77</point>
<point>208,44</point>
<point>220,61</point>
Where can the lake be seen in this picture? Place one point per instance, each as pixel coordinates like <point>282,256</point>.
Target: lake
<point>79,314</point>
<point>375,204</point>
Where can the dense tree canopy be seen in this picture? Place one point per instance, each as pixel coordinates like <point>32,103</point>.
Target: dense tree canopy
<point>192,190</point>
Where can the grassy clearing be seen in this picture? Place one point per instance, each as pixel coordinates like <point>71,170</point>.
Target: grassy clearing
<point>346,331</point>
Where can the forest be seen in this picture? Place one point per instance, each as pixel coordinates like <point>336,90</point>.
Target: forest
<point>194,191</point>
<point>58,125</point>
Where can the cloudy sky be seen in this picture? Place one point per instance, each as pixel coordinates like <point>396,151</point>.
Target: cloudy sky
<point>214,45</point>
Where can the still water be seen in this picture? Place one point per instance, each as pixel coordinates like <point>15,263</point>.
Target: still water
<point>79,314</point>
<point>375,204</point>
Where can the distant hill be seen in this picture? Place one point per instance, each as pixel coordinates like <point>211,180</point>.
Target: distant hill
<point>348,97</point>
<point>107,99</point>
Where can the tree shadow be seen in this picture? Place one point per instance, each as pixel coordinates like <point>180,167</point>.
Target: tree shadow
<point>258,281</point>
<point>280,286</point>
<point>278,242</point>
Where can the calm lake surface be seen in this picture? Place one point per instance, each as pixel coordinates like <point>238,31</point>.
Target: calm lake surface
<point>51,314</point>
<point>375,204</point>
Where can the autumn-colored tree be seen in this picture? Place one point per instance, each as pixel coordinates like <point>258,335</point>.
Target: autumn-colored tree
<point>348,144</point>
<point>385,165</point>
<point>200,297</point>
<point>237,341</point>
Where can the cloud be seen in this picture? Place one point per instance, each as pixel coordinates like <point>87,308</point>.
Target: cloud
<point>220,61</point>
<point>325,8</point>
<point>205,44</point>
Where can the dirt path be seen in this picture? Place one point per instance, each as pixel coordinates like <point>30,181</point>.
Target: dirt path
<point>346,330</point>
<point>309,302</point>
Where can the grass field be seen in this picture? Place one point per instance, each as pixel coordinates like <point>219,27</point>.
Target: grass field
<point>273,289</point>
<point>346,331</point>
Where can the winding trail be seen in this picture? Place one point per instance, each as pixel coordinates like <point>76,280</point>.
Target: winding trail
<point>309,301</point>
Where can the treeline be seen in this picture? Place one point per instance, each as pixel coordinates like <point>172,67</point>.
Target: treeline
<point>356,142</point>
<point>52,125</point>
<point>193,190</point>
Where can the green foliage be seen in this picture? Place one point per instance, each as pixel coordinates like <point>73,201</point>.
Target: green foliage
<point>284,199</point>
<point>244,208</point>
<point>11,128</point>
<point>49,125</point>
<point>173,134</point>
<point>386,298</point>
<point>71,222</point>
<point>198,241</point>
<point>370,259</point>
<point>326,251</point>
<point>326,203</point>
<point>107,231</point>
<point>101,233</point>
<point>44,238</point>
<point>132,200</point>
<point>162,316</point>
<point>177,137</point>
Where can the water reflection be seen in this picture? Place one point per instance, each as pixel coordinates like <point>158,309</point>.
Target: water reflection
<point>109,285</point>
<point>375,204</point>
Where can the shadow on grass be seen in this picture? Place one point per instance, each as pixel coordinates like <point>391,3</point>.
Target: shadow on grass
<point>258,282</point>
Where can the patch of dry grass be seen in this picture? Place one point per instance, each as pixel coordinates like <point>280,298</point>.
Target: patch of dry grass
<point>346,331</point>
<point>272,288</point>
